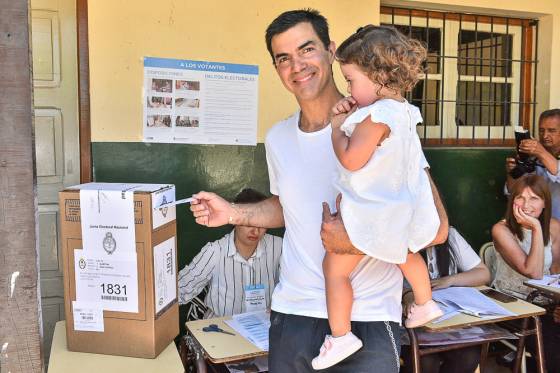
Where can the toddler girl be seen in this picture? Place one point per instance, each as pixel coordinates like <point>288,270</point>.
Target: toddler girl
<point>387,204</point>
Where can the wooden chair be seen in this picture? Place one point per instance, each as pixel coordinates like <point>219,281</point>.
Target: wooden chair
<point>488,254</point>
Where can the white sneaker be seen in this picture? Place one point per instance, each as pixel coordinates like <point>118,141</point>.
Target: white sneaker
<point>334,350</point>
<point>420,315</point>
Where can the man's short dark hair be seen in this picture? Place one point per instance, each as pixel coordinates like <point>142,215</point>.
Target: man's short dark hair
<point>249,195</point>
<point>549,114</point>
<point>291,18</point>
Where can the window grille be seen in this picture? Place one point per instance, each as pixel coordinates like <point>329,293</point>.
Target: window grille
<point>480,74</point>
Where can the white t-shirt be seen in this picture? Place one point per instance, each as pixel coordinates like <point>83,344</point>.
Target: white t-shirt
<point>301,168</point>
<point>390,198</point>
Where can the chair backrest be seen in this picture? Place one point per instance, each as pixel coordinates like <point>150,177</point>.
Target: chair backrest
<point>195,308</point>
<point>488,255</point>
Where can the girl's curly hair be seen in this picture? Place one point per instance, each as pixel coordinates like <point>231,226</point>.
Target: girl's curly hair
<point>385,55</point>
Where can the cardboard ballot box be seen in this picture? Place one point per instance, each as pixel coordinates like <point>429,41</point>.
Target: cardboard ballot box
<point>120,268</point>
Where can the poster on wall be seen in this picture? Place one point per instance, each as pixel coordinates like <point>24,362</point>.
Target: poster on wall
<point>200,102</point>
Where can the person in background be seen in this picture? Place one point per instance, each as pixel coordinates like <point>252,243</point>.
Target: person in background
<point>527,245</point>
<point>453,263</point>
<point>546,151</point>
<point>242,268</point>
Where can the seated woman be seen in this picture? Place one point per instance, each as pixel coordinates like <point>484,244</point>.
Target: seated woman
<point>453,263</point>
<point>527,242</point>
<point>242,268</point>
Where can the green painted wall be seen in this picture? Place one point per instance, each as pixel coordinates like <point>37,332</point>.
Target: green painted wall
<point>470,180</point>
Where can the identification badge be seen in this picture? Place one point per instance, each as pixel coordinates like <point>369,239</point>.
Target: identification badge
<point>255,299</point>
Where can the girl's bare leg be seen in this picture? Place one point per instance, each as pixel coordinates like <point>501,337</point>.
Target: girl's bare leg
<point>340,296</point>
<point>416,273</point>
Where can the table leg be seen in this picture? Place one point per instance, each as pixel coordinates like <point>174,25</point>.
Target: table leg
<point>520,346</point>
<point>200,362</point>
<point>483,357</point>
<point>416,368</point>
<point>540,347</point>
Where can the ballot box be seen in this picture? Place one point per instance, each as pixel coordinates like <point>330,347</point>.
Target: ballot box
<point>120,268</point>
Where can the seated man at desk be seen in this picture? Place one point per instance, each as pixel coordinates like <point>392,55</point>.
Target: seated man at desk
<point>242,268</point>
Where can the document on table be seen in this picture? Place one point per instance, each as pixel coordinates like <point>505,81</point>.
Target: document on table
<point>469,301</point>
<point>547,280</point>
<point>488,332</point>
<point>253,326</point>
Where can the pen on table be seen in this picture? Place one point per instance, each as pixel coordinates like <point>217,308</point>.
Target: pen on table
<point>470,313</point>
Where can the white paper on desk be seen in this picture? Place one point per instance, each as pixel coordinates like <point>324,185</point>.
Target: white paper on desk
<point>253,326</point>
<point>470,300</point>
<point>547,280</point>
<point>107,219</point>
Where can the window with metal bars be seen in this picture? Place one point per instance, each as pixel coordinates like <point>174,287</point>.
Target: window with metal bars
<point>480,74</point>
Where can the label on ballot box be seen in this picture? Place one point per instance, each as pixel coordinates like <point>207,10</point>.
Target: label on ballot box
<point>87,316</point>
<point>165,281</point>
<point>111,281</point>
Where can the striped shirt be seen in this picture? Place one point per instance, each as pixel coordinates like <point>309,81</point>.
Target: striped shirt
<point>220,265</point>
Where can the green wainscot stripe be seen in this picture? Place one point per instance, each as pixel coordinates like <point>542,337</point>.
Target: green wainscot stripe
<point>470,180</point>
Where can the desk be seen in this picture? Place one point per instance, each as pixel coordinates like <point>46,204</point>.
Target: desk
<point>219,347</point>
<point>547,291</point>
<point>64,361</point>
<point>524,311</point>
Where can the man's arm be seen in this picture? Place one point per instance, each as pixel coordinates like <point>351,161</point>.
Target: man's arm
<point>211,210</point>
<point>195,276</point>
<point>535,148</point>
<point>443,230</point>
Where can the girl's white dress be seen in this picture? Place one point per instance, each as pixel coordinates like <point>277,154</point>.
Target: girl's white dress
<point>387,206</point>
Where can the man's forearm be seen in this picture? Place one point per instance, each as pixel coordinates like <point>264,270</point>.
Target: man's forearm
<point>549,162</point>
<point>443,230</point>
<point>265,214</point>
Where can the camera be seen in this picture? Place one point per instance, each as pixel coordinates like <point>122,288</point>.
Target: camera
<point>524,163</point>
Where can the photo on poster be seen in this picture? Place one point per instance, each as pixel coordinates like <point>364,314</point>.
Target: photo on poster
<point>156,102</point>
<point>188,103</point>
<point>186,121</point>
<point>187,85</point>
<point>162,85</point>
<point>159,121</point>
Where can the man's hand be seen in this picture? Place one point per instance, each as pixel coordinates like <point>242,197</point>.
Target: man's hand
<point>510,164</point>
<point>333,234</point>
<point>532,147</point>
<point>442,283</point>
<point>211,210</point>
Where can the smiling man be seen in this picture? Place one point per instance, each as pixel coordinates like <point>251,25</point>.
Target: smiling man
<point>546,150</point>
<point>301,165</point>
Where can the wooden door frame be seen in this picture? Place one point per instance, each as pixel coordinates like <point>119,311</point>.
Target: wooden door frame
<point>84,114</point>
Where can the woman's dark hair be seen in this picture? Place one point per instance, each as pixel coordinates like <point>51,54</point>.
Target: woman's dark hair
<point>445,257</point>
<point>249,195</point>
<point>540,188</point>
<point>289,19</point>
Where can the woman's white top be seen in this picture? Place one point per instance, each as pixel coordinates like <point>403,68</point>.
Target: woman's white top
<point>508,280</point>
<point>387,206</point>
